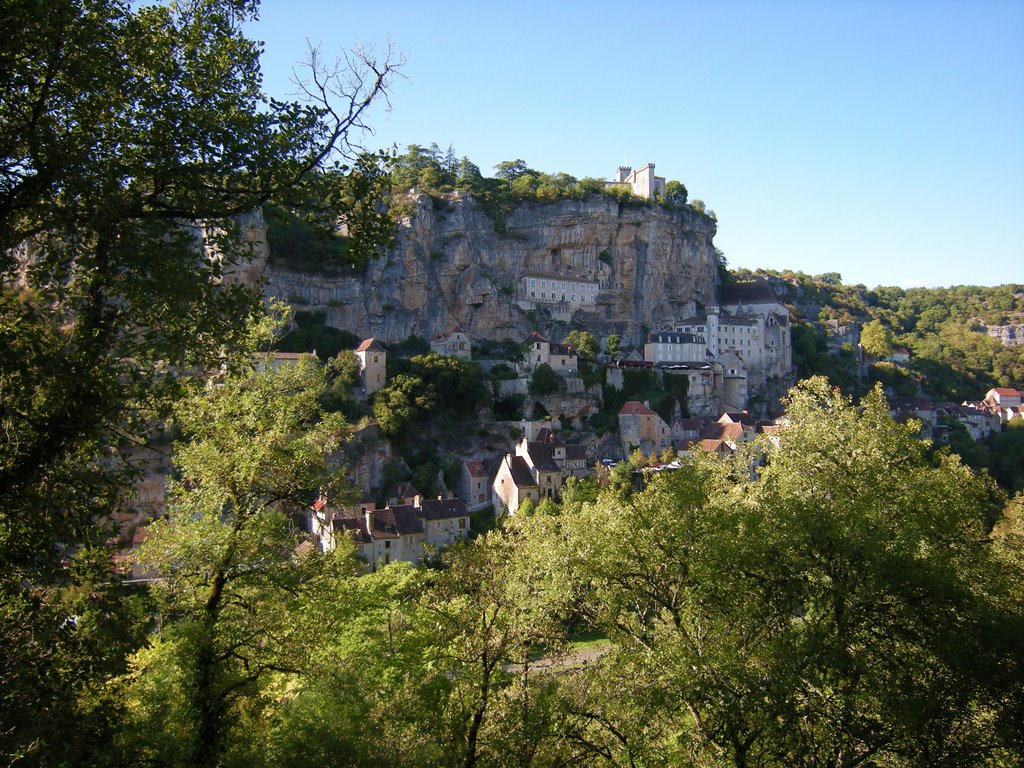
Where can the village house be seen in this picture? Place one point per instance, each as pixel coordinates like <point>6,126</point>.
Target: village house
<point>403,492</point>
<point>397,533</point>
<point>274,361</point>
<point>473,486</point>
<point>372,366</point>
<point>536,470</point>
<point>898,356</point>
<point>1004,397</point>
<point>513,484</point>
<point>640,427</point>
<point>571,458</point>
<point>453,343</point>
<point>979,418</point>
<point>561,357</point>
<point>665,347</point>
<point>445,521</point>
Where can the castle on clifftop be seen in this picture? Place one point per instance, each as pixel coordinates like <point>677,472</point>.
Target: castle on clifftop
<point>642,181</point>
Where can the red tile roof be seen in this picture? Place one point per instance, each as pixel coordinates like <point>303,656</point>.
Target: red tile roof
<point>369,344</point>
<point>475,468</point>
<point>633,408</point>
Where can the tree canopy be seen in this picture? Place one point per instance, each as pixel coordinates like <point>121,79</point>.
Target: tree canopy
<point>135,143</point>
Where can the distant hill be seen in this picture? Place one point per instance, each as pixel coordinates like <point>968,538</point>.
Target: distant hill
<point>962,340</point>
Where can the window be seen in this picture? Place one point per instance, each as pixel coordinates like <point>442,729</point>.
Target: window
<point>462,523</point>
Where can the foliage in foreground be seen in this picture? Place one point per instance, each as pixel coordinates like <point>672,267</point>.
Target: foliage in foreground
<point>844,604</point>
<point>132,138</point>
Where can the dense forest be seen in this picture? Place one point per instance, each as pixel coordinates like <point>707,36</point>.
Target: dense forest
<point>838,594</point>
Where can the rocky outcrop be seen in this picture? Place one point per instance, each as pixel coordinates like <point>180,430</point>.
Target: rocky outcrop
<point>1008,335</point>
<point>451,265</point>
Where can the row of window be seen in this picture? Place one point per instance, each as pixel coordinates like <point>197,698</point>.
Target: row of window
<point>540,282</point>
<point>554,297</point>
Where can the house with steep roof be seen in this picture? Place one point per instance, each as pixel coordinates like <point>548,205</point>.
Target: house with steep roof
<point>453,343</point>
<point>561,357</point>
<point>403,492</point>
<point>513,484</point>
<point>542,466</point>
<point>396,533</point>
<point>1004,397</point>
<point>979,419</point>
<point>445,521</point>
<point>373,372</point>
<point>571,458</point>
<point>473,485</point>
<point>640,427</point>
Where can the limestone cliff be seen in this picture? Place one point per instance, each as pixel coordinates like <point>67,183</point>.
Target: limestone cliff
<point>450,265</point>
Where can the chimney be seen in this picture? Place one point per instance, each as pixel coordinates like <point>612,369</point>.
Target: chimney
<point>369,523</point>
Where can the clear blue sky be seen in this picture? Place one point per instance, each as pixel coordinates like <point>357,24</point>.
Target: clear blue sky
<point>880,140</point>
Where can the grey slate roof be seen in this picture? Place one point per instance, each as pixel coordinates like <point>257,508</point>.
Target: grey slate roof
<point>443,509</point>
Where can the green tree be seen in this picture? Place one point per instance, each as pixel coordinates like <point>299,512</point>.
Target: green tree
<point>510,170</point>
<point>584,343</point>
<point>877,339</point>
<point>232,588</point>
<point>406,398</point>
<point>544,381</point>
<point>840,603</point>
<point>611,343</point>
<point>675,192</point>
<point>128,135</point>
<point>468,174</point>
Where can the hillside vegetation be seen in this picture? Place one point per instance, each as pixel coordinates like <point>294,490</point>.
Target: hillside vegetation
<point>951,356</point>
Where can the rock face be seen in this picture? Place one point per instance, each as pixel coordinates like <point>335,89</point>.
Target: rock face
<point>1008,335</point>
<point>451,265</point>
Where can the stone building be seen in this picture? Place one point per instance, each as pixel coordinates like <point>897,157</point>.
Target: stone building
<point>396,533</point>
<point>372,365</point>
<point>642,182</point>
<point>551,288</point>
<point>561,357</point>
<point>640,427</point>
<point>453,343</point>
